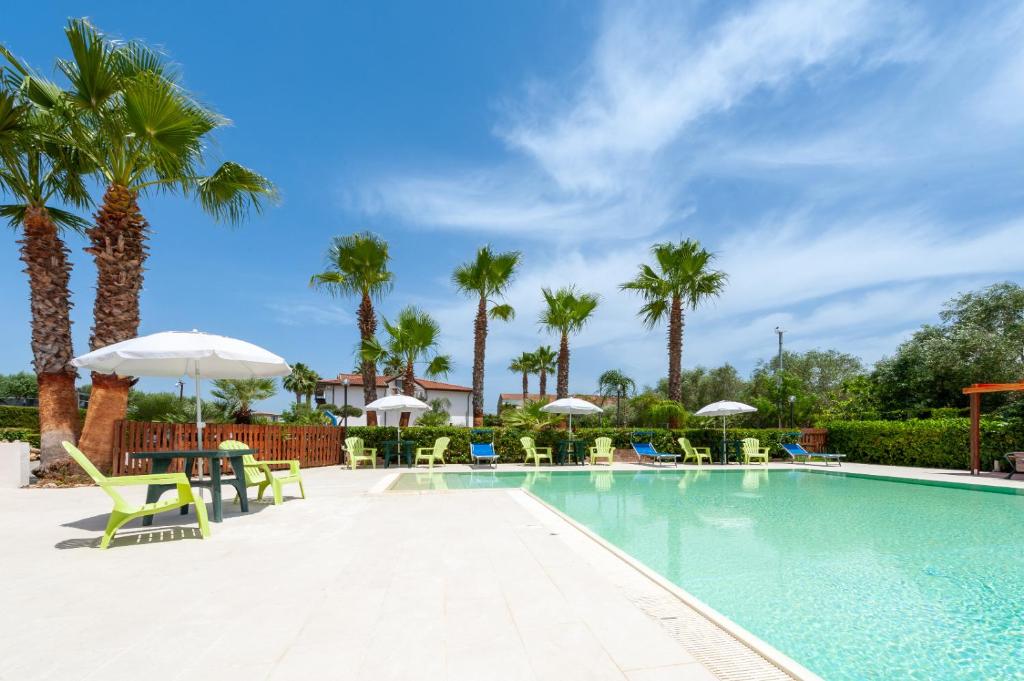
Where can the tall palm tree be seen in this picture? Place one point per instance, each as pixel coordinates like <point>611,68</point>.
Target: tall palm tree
<point>358,266</point>
<point>239,394</point>
<point>682,278</point>
<point>523,364</point>
<point>35,173</point>
<point>567,312</point>
<point>544,363</point>
<point>486,278</point>
<point>302,382</point>
<point>142,132</point>
<point>412,339</point>
<point>615,382</point>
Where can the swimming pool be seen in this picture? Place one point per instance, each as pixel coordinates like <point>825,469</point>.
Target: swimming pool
<point>854,577</point>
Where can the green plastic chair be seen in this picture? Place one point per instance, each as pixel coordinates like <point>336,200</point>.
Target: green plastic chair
<point>602,449</point>
<point>357,452</point>
<point>258,473</point>
<point>698,454</point>
<point>435,453</point>
<point>124,511</point>
<point>752,450</point>
<point>534,452</point>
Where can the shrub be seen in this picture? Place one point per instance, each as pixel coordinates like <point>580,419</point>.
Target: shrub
<point>928,443</point>
<point>19,417</point>
<point>22,434</point>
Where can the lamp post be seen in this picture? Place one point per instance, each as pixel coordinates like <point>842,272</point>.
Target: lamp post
<point>344,384</point>
<point>792,400</point>
<point>181,389</point>
<point>778,372</point>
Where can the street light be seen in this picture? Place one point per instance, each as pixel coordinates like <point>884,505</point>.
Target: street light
<point>181,389</point>
<point>792,400</point>
<point>344,384</point>
<point>778,371</point>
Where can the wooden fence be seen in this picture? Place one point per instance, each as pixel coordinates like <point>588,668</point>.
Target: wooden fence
<point>814,439</point>
<point>311,445</point>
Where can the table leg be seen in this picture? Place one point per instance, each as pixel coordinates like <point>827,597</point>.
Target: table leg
<point>153,492</point>
<point>187,470</point>
<point>218,511</point>
<point>239,468</point>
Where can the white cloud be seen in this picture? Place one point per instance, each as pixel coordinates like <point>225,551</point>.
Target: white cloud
<point>294,313</point>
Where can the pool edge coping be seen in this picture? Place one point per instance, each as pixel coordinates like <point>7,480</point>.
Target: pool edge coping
<point>765,650</point>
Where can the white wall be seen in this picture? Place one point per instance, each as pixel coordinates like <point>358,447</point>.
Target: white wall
<point>461,404</point>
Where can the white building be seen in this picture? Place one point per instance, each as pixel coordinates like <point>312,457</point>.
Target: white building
<point>335,391</point>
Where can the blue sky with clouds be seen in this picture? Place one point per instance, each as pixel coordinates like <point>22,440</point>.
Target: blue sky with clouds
<point>853,163</point>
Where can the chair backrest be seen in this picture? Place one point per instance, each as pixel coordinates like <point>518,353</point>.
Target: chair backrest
<point>644,448</point>
<point>603,444</point>
<point>687,448</point>
<point>642,436</point>
<point>481,448</point>
<point>751,444</point>
<point>794,449</point>
<point>82,460</point>
<point>354,445</point>
<point>252,474</point>
<point>481,433</point>
<point>527,443</point>
<point>441,445</point>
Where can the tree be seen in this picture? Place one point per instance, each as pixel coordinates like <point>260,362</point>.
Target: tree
<point>239,394</point>
<point>529,417</point>
<point>412,339</point>
<point>486,278</point>
<point>301,382</point>
<point>37,172</point>
<point>702,386</point>
<point>143,406</point>
<point>651,409</point>
<point>437,415</point>
<point>544,364</point>
<point>358,266</point>
<point>21,385</point>
<point>615,383</point>
<point>302,414</point>
<point>567,312</point>
<point>523,364</point>
<point>682,279</point>
<point>140,131</point>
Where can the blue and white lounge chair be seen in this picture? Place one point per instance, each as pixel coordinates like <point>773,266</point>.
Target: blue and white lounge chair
<point>646,449</point>
<point>480,452</point>
<point>795,452</point>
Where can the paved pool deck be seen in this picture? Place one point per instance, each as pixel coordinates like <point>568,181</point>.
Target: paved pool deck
<point>352,583</point>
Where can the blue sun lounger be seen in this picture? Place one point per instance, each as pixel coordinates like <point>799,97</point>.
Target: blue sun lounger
<point>480,452</point>
<point>646,449</point>
<point>795,452</point>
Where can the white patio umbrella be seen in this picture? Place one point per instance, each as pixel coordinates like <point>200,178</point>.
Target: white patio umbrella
<point>570,406</point>
<point>724,408</point>
<point>185,353</point>
<point>397,403</point>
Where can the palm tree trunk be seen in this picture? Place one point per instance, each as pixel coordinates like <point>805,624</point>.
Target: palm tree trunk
<point>367,320</point>
<point>563,368</point>
<point>479,348</point>
<point>118,247</point>
<point>526,387</point>
<point>408,388</point>
<point>49,272</point>
<point>675,355</point>
<point>298,397</point>
<point>543,384</point>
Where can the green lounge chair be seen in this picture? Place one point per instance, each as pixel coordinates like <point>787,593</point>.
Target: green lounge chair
<point>602,449</point>
<point>752,450</point>
<point>698,454</point>
<point>259,473</point>
<point>435,453</point>
<point>357,452</point>
<point>534,452</point>
<point>125,511</point>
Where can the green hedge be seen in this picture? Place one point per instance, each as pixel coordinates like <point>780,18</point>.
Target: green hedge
<point>506,440</point>
<point>22,434</point>
<point>19,417</point>
<point>928,443</point>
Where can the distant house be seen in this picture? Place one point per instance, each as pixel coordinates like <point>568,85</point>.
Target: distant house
<point>270,416</point>
<point>516,400</point>
<point>332,391</point>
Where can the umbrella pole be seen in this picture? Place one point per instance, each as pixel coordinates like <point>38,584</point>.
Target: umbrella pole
<point>199,429</point>
<point>725,456</point>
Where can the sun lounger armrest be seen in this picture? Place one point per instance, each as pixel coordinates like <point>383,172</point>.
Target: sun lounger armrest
<point>152,479</point>
<point>703,450</point>
<point>293,465</point>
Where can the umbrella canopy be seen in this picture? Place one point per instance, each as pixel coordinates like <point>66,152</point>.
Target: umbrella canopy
<point>183,353</point>
<point>724,408</point>
<point>397,403</point>
<point>570,406</point>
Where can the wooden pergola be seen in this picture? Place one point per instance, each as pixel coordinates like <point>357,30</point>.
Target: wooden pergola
<point>975,392</point>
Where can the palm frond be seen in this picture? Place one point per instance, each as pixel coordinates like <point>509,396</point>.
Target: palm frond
<point>232,191</point>
<point>91,71</point>
<point>504,313</point>
<point>439,367</point>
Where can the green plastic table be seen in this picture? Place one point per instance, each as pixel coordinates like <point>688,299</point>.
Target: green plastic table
<point>390,448</point>
<point>737,450</point>
<point>575,449</point>
<point>162,462</point>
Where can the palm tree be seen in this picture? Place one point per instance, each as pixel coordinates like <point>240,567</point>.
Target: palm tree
<point>683,279</point>
<point>567,311</point>
<point>35,173</point>
<point>529,417</point>
<point>239,394</point>
<point>358,266</point>
<point>523,364</point>
<point>412,339</point>
<point>544,363</point>
<point>486,278</point>
<point>142,132</point>
<point>615,382</point>
<point>302,382</point>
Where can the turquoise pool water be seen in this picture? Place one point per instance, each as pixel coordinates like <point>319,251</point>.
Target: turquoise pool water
<point>854,577</point>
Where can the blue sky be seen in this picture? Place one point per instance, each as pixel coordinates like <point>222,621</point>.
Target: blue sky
<point>853,163</point>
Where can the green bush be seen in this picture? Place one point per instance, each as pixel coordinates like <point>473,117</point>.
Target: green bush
<point>23,434</point>
<point>927,443</point>
<point>19,417</point>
